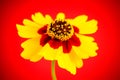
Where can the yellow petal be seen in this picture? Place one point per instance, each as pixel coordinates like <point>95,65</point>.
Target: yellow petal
<point>27,31</point>
<point>64,61</point>
<point>30,23</point>
<point>40,19</point>
<point>80,19</point>
<point>87,48</point>
<point>89,27</point>
<point>31,49</point>
<point>76,59</point>
<point>85,27</point>
<point>60,16</point>
<point>48,19</point>
<point>48,52</point>
<point>36,58</point>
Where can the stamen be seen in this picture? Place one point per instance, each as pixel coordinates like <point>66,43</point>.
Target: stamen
<point>60,29</point>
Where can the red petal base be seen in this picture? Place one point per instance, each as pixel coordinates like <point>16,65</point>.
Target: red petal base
<point>44,39</point>
<point>76,30</point>
<point>42,30</point>
<point>55,43</point>
<point>67,46</point>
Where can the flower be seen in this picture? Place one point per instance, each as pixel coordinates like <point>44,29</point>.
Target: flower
<point>63,40</point>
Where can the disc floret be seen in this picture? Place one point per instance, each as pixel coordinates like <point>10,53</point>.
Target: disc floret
<point>60,29</point>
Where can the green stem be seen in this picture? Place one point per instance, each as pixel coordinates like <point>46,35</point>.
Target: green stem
<point>53,71</point>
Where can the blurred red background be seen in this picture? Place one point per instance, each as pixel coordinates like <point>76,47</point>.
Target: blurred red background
<point>102,67</point>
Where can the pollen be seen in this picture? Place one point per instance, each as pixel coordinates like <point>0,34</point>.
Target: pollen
<point>60,29</point>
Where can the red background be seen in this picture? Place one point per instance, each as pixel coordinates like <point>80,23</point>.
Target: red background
<point>102,67</point>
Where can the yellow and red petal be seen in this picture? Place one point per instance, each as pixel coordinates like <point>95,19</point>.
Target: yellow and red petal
<point>42,30</point>
<point>48,52</point>
<point>87,48</point>
<point>69,61</point>
<point>44,39</point>
<point>74,40</point>
<point>31,49</point>
<point>67,45</point>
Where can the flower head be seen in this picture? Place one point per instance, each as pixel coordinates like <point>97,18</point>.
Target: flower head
<point>60,39</point>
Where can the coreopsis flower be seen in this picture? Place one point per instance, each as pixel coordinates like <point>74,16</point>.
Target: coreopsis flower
<point>61,39</point>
